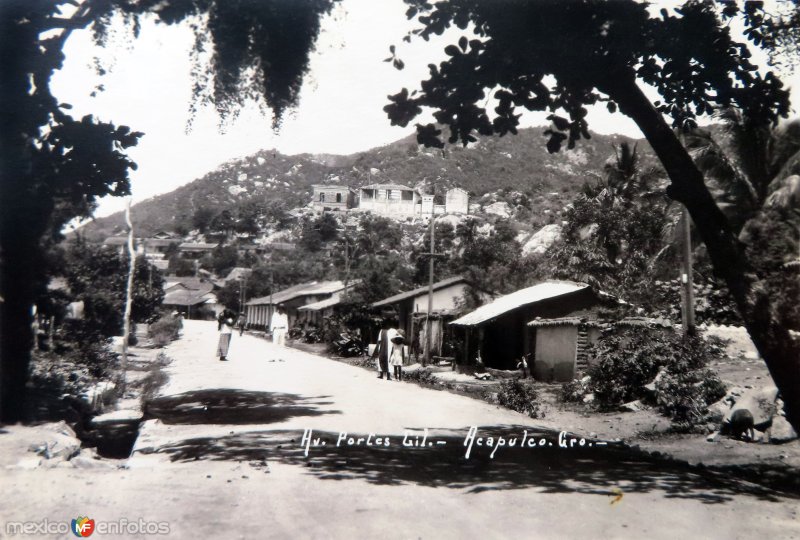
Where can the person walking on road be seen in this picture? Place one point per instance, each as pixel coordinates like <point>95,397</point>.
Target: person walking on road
<point>383,348</point>
<point>225,323</point>
<point>242,323</point>
<point>278,326</point>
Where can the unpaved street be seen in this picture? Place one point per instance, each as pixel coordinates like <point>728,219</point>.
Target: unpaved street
<point>224,457</point>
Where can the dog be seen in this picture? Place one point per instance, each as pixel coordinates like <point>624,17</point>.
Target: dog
<point>742,423</point>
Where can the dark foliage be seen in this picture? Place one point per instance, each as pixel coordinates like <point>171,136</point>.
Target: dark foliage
<point>629,359</point>
<point>518,396</point>
<point>572,392</point>
<point>166,329</point>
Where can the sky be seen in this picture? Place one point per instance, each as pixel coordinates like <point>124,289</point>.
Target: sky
<point>148,87</point>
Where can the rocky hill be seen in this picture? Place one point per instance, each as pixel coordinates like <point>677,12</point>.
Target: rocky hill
<point>513,163</point>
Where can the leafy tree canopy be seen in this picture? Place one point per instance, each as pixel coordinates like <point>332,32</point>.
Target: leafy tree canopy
<point>587,47</point>
<point>259,48</point>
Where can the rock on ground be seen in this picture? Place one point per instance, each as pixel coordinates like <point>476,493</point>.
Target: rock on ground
<point>542,239</point>
<point>501,209</point>
<point>781,431</point>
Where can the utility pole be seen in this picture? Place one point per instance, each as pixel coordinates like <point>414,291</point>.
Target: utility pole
<point>271,287</point>
<point>687,280</point>
<point>428,323</point>
<point>242,292</point>
<point>128,294</point>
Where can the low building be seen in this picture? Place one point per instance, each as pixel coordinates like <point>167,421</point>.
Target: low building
<point>157,245</point>
<point>446,295</point>
<point>259,311</point>
<point>332,197</point>
<point>562,345</point>
<point>392,200</point>
<point>193,297</point>
<point>316,313</point>
<point>195,250</point>
<point>499,330</point>
<point>411,308</point>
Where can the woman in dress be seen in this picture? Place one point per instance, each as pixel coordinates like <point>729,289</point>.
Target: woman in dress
<point>225,323</point>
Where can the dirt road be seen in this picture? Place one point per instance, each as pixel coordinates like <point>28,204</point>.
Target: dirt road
<point>226,457</point>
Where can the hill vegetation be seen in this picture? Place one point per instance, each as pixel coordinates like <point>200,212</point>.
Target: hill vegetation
<point>268,182</point>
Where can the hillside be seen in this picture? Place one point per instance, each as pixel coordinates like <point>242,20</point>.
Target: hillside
<point>519,163</point>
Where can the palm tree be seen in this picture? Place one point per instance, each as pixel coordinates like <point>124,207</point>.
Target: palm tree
<point>745,162</point>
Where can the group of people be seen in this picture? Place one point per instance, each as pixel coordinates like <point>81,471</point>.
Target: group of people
<point>227,321</point>
<point>390,350</point>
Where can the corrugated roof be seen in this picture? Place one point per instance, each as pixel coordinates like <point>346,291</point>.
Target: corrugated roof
<point>421,290</point>
<point>197,245</point>
<point>523,297</point>
<point>190,283</point>
<point>237,273</point>
<point>304,289</point>
<point>280,296</point>
<point>184,297</point>
<point>280,245</point>
<point>115,241</point>
<point>388,186</point>
<point>627,321</point>
<point>322,304</point>
<point>562,321</point>
<point>331,186</point>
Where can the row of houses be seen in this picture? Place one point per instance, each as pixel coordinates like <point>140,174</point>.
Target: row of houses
<point>155,249</point>
<point>392,200</point>
<point>553,324</point>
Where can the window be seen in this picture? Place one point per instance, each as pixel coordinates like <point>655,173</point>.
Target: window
<point>408,195</point>
<point>338,197</point>
<point>321,197</point>
<point>381,194</point>
<point>395,194</point>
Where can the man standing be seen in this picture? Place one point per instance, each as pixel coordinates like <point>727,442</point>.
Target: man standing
<point>278,326</point>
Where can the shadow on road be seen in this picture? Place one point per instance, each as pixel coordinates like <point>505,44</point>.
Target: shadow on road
<point>233,406</point>
<point>595,470</point>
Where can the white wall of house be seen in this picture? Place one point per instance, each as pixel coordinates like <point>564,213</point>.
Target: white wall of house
<point>443,299</point>
<point>389,202</point>
<point>456,201</point>
<point>554,359</point>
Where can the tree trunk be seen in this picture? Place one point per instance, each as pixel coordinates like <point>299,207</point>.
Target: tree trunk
<point>777,347</point>
<point>16,337</point>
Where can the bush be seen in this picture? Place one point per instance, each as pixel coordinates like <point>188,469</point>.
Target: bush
<point>625,363</point>
<point>572,392</point>
<point>517,396</point>
<point>165,330</point>
<point>685,395</point>
<point>420,376</point>
<point>628,359</point>
<point>156,378</point>
<point>78,344</point>
<point>679,397</point>
<point>713,388</point>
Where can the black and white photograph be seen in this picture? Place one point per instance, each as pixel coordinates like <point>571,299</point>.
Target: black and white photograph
<point>400,269</point>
